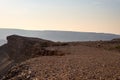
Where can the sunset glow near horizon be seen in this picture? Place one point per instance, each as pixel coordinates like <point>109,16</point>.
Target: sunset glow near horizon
<point>68,15</point>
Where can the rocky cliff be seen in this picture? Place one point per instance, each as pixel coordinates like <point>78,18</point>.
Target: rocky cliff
<point>19,49</point>
<point>22,48</point>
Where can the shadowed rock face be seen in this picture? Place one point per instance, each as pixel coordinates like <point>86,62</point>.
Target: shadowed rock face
<point>21,48</point>
<point>25,47</point>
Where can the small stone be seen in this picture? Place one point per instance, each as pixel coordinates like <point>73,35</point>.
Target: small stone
<point>35,79</point>
<point>29,72</point>
<point>28,76</point>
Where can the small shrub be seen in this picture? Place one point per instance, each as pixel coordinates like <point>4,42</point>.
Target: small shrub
<point>117,47</point>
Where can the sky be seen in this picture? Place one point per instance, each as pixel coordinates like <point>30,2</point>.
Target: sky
<point>68,15</point>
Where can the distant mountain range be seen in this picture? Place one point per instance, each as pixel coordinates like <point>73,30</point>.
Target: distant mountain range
<point>63,36</point>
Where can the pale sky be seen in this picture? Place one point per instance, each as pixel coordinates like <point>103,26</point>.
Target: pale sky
<point>67,15</point>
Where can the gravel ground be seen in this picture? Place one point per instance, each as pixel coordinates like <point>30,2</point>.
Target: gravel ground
<point>84,63</point>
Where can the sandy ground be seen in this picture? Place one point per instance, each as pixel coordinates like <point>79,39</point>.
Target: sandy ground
<point>84,63</point>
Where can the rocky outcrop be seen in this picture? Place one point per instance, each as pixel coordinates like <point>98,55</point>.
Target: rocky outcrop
<point>21,48</point>
<point>25,47</point>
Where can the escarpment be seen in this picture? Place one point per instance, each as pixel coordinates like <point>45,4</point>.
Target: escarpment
<point>21,48</point>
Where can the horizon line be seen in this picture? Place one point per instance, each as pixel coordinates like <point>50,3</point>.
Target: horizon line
<point>62,30</point>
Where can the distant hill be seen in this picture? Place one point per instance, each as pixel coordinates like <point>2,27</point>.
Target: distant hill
<point>63,36</point>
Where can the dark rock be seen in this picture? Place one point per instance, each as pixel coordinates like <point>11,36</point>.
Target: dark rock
<point>21,48</point>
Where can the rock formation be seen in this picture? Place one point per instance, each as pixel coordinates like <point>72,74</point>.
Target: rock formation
<point>19,49</point>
